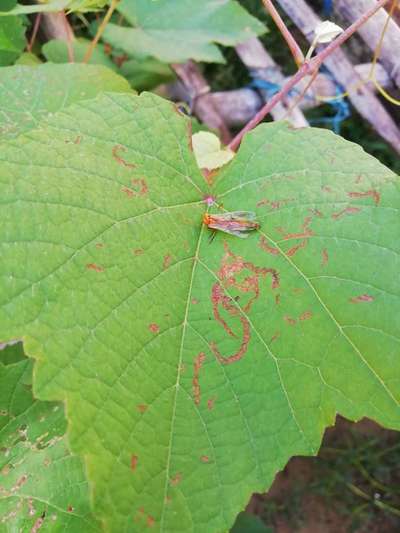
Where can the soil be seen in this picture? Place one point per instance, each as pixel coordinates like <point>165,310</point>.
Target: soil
<point>336,492</point>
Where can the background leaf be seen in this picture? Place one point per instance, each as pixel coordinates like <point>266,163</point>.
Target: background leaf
<point>193,372</point>
<point>56,51</point>
<point>177,30</point>
<point>51,6</point>
<point>29,94</point>
<point>41,483</point>
<point>12,39</point>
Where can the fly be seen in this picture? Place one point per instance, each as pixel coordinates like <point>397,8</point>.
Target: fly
<point>238,223</point>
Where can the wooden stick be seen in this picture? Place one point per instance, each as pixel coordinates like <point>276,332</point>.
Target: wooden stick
<point>203,105</point>
<point>238,106</point>
<point>259,62</point>
<point>371,109</point>
<point>364,100</point>
<point>371,31</point>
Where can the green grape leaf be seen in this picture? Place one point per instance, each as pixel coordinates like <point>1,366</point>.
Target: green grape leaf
<point>42,485</point>
<point>177,30</point>
<point>56,51</point>
<point>52,6</point>
<point>145,74</point>
<point>12,39</point>
<point>28,59</point>
<point>28,94</point>
<point>192,371</point>
<point>7,5</point>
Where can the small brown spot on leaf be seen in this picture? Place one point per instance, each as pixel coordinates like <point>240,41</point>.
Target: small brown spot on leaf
<point>176,479</point>
<point>325,257</point>
<point>275,336</point>
<point>138,251</point>
<point>154,328</point>
<point>277,299</point>
<point>150,521</point>
<point>70,509</point>
<point>129,193</point>
<point>263,201</point>
<point>362,298</point>
<point>93,266</point>
<point>289,320</point>
<point>167,261</point>
<point>197,364</point>
<point>372,193</point>
<point>326,188</point>
<point>134,462</point>
<point>210,403</point>
<point>204,459</point>
<point>115,153</point>
<point>306,315</point>
<point>38,524</point>
<point>345,211</point>
<point>99,245</point>
<point>316,213</point>
<point>195,301</point>
<point>142,407</point>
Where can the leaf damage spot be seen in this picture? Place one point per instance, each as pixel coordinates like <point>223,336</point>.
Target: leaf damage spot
<point>275,336</point>
<point>289,320</point>
<point>142,407</point>
<point>204,459</point>
<point>150,521</point>
<point>138,251</point>
<point>305,232</point>
<point>316,213</point>
<point>93,266</point>
<point>38,524</point>
<point>231,267</point>
<point>99,245</point>
<point>119,148</point>
<point>294,249</point>
<point>375,195</point>
<point>325,257</point>
<point>134,462</point>
<point>263,244</point>
<point>306,315</point>
<point>210,403</point>
<point>362,298</point>
<point>197,364</point>
<point>139,188</point>
<point>345,211</point>
<point>195,301</point>
<point>154,328</point>
<point>70,509</point>
<point>167,261</point>
<point>176,479</point>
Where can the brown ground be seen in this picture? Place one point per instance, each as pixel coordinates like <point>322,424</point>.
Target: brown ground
<point>332,493</point>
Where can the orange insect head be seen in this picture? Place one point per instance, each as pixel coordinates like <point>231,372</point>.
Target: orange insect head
<point>206,219</point>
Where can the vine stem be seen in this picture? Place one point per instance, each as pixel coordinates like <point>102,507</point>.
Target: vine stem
<point>290,40</point>
<point>307,68</point>
<point>100,30</point>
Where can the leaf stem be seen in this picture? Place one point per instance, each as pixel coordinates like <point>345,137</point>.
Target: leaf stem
<point>100,31</point>
<point>290,40</point>
<point>308,67</point>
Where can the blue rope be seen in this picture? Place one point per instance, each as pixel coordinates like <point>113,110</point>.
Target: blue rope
<point>340,106</point>
<point>328,7</point>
